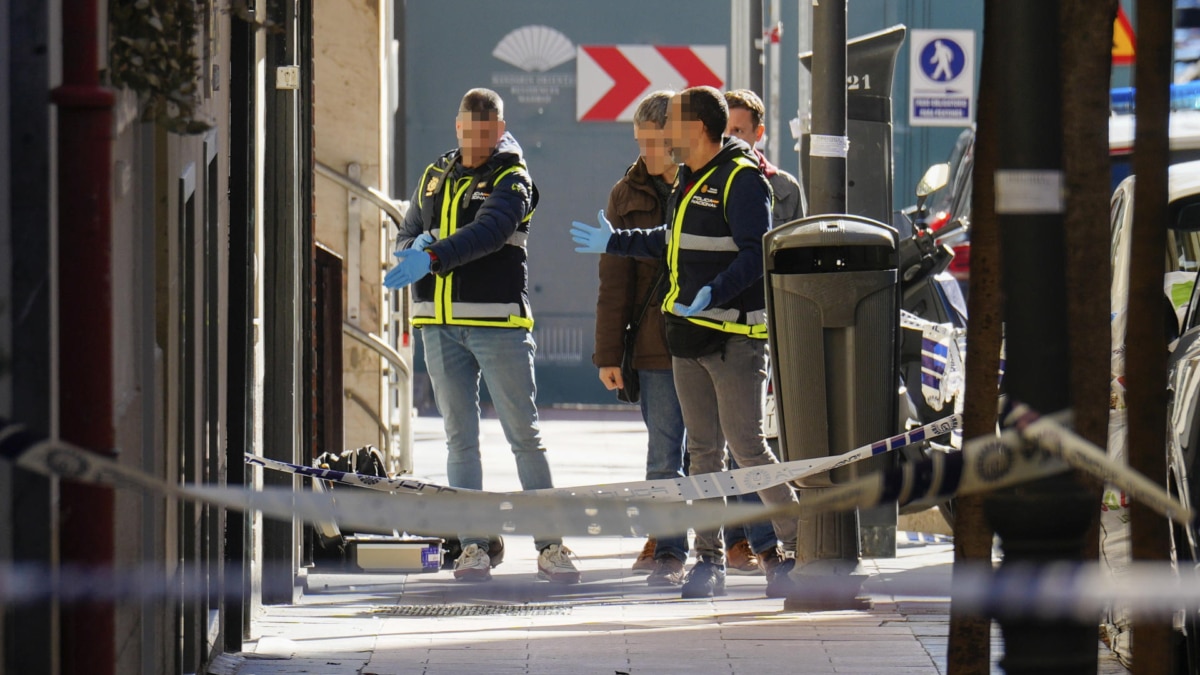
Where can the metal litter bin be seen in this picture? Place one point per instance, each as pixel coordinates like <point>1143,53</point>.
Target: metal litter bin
<point>833,311</point>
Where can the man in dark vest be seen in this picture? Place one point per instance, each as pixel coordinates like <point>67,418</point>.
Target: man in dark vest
<point>751,548</point>
<point>463,247</point>
<point>715,311</point>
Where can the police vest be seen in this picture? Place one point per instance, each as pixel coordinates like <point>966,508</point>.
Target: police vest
<point>701,246</point>
<point>488,291</point>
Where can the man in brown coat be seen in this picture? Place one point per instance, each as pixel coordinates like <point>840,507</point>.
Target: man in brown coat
<point>627,284</point>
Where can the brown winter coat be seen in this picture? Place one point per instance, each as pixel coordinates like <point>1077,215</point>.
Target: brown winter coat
<point>624,281</point>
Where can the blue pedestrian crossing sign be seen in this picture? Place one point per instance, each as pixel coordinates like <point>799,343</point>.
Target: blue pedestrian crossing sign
<point>941,81</point>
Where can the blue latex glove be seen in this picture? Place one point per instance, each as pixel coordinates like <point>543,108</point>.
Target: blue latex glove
<point>423,241</point>
<point>700,303</point>
<point>592,239</point>
<point>414,264</point>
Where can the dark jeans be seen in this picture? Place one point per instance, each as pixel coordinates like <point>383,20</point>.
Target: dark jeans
<point>664,453</point>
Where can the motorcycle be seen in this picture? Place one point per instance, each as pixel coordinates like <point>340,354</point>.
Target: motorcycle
<point>933,320</point>
<point>930,354</point>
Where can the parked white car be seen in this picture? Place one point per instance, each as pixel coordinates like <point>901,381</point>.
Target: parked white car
<point>1181,313</point>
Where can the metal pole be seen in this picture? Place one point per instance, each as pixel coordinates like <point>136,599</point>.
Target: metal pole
<point>774,34</point>
<point>1029,206</point>
<point>829,142</point>
<point>85,316</point>
<point>1146,339</point>
<point>741,44</point>
<point>828,544</point>
<point>804,44</point>
<point>756,46</point>
<point>969,643</point>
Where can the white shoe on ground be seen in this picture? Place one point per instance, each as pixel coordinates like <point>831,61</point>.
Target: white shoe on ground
<point>473,565</point>
<point>554,564</point>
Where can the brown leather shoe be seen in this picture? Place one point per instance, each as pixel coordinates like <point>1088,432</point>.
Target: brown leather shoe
<point>668,571</point>
<point>645,561</point>
<point>741,560</point>
<point>768,560</point>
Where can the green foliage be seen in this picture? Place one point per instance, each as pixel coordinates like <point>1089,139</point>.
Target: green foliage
<point>152,51</point>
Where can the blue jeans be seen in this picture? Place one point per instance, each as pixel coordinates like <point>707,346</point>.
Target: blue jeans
<point>761,534</point>
<point>721,396</point>
<point>455,357</point>
<point>664,454</point>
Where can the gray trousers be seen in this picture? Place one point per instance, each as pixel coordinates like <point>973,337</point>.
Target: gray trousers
<point>721,396</point>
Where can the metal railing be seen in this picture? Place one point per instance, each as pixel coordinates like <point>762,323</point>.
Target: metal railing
<point>395,418</point>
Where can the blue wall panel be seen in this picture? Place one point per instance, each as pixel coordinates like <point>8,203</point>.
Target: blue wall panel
<point>448,48</point>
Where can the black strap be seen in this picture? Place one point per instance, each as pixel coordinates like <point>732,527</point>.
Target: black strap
<point>633,325</point>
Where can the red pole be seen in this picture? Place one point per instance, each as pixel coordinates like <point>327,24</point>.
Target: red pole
<point>85,136</point>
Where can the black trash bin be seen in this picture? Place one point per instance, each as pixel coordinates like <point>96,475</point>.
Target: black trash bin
<point>833,316</point>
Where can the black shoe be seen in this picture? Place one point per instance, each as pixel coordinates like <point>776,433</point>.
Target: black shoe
<point>706,580</point>
<point>779,584</point>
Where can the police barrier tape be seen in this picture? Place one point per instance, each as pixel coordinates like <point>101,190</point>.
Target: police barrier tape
<point>432,512</point>
<point>942,370</point>
<point>984,464</point>
<point>1031,446</point>
<point>720,484</point>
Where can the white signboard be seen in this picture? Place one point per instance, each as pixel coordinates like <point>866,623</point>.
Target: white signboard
<point>941,80</point>
<point>614,78</point>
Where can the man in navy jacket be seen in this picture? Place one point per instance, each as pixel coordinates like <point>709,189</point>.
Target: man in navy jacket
<point>463,247</point>
<point>715,310</point>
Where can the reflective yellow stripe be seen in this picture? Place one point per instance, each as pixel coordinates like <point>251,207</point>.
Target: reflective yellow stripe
<point>443,285</point>
<point>511,322</point>
<point>443,305</point>
<point>757,331</point>
<point>742,163</point>
<point>673,244</point>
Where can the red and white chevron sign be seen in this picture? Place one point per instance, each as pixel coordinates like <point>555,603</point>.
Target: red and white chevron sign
<point>610,80</point>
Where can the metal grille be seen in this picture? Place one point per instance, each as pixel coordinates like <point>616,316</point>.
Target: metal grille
<point>564,339</point>
<point>474,610</point>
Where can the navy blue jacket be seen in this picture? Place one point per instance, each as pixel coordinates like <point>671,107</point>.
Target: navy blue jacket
<point>480,218</point>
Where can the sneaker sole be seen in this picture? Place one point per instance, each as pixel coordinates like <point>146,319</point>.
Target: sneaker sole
<point>558,578</point>
<point>744,572</point>
<point>663,581</point>
<point>473,575</point>
<point>686,595</point>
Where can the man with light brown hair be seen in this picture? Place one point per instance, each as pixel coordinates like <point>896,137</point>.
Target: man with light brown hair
<point>746,113</point>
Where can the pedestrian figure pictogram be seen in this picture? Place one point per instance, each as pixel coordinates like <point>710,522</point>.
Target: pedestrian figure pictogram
<point>942,60</point>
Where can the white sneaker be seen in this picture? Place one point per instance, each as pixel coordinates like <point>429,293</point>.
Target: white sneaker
<point>473,565</point>
<point>554,564</point>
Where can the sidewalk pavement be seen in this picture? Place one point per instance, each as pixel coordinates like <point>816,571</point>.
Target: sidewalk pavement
<point>611,623</point>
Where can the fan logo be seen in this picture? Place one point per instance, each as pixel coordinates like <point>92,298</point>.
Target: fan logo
<point>67,463</point>
<point>535,50</point>
<point>994,462</point>
<point>758,477</point>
